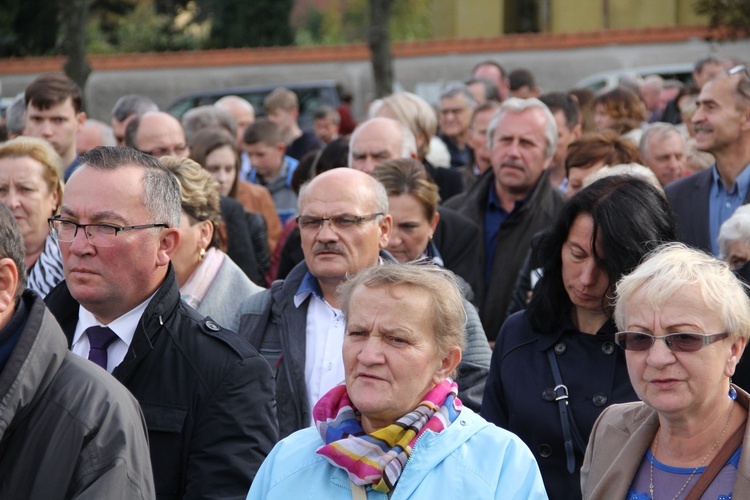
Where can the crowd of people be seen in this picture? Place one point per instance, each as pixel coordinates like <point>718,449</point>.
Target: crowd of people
<point>512,294</point>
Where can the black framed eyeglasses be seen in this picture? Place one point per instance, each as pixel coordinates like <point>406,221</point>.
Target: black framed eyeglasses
<point>739,69</point>
<point>312,223</point>
<point>99,235</point>
<point>676,342</point>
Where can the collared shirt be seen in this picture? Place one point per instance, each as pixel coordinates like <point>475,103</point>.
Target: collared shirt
<point>245,167</point>
<point>124,327</point>
<point>494,216</point>
<point>324,337</point>
<point>722,202</point>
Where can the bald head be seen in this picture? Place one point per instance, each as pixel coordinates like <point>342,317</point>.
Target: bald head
<point>377,140</point>
<point>157,133</point>
<point>94,134</point>
<point>241,110</point>
<point>344,223</point>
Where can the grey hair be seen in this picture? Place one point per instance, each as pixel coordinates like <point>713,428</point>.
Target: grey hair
<point>108,136</point>
<point>161,190</point>
<point>661,131</point>
<point>631,169</point>
<point>459,89</point>
<point>735,228</point>
<point>674,267</point>
<point>516,105</point>
<point>132,104</point>
<point>325,111</point>
<point>15,115</point>
<point>408,142</point>
<point>11,246</point>
<point>208,116</point>
<point>448,312</point>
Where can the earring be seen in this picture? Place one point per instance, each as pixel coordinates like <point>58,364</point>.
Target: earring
<point>202,254</point>
<point>732,391</point>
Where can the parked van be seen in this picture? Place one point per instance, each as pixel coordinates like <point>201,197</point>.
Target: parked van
<point>311,95</point>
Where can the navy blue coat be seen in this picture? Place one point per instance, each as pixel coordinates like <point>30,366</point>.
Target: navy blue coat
<point>517,395</point>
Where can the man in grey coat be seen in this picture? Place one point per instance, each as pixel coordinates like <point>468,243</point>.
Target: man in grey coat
<point>67,428</point>
<point>298,326</point>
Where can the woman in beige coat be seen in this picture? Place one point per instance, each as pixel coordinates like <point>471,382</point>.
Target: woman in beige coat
<point>684,321</point>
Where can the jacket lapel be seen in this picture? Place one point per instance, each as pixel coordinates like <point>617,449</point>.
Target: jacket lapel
<point>628,447</point>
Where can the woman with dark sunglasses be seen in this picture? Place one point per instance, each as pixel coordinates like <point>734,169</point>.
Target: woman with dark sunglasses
<point>684,321</point>
<point>556,366</point>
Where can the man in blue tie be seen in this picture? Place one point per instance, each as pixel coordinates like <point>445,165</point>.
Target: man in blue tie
<point>207,395</point>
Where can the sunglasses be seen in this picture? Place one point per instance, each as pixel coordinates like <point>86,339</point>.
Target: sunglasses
<point>676,342</point>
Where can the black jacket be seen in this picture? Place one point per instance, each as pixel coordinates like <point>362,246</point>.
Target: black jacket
<point>206,394</point>
<point>519,394</point>
<point>271,321</point>
<point>688,199</point>
<point>513,242</point>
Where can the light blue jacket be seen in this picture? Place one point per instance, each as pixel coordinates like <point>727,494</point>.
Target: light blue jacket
<point>470,459</point>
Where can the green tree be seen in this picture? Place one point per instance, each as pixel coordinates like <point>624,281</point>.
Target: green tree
<point>243,23</point>
<point>733,15</point>
<point>28,28</point>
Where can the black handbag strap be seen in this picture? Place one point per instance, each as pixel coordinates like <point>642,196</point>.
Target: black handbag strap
<point>571,434</point>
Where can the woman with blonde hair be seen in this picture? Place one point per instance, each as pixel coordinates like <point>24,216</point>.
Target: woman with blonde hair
<point>683,321</point>
<point>209,281</point>
<point>31,186</point>
<point>419,117</point>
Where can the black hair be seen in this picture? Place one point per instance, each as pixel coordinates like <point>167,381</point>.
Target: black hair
<point>631,218</point>
<point>568,104</point>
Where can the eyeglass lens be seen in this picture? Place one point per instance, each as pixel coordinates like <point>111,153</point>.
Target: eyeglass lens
<point>677,342</point>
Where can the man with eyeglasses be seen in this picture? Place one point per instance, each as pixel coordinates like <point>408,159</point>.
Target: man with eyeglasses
<point>456,106</point>
<point>207,396</point>
<point>158,134</point>
<point>297,324</point>
<point>703,201</point>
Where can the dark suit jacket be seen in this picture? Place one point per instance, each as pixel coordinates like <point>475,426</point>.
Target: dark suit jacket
<point>688,199</point>
<point>207,395</point>
<point>457,239</point>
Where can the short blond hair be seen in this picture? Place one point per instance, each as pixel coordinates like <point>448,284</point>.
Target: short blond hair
<point>448,312</point>
<point>199,192</point>
<point>280,98</point>
<point>41,151</point>
<point>675,266</point>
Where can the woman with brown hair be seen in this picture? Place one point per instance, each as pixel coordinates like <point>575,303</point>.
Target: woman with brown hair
<point>217,152</point>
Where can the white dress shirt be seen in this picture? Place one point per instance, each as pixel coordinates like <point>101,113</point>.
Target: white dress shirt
<point>324,363</point>
<point>124,327</point>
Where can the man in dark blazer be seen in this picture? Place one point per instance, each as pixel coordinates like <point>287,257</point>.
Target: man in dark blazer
<point>703,201</point>
<point>206,394</point>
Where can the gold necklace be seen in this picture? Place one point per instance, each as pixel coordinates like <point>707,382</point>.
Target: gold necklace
<point>653,452</point>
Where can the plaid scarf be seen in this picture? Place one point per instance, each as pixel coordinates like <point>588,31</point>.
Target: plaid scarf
<point>379,458</point>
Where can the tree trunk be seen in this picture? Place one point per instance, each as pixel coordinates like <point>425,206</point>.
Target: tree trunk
<point>380,46</point>
<point>74,17</point>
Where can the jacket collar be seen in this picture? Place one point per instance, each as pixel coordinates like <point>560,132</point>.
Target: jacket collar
<point>565,325</point>
<point>32,366</point>
<point>159,310</point>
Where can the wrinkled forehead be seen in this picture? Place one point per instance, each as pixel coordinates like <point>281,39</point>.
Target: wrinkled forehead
<point>336,196</point>
<point>378,137</point>
<point>96,193</point>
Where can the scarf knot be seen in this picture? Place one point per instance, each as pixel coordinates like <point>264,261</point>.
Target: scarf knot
<point>379,458</point>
